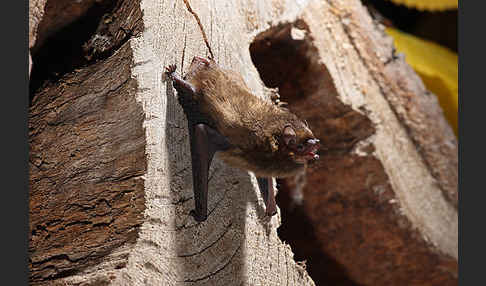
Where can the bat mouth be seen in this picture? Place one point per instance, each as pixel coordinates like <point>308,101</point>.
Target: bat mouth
<point>311,152</point>
<point>308,151</point>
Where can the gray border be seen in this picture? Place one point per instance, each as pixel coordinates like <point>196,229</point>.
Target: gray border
<point>15,96</point>
<point>471,270</point>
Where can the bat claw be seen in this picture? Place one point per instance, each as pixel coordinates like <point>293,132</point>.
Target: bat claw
<point>270,214</point>
<point>198,218</point>
<point>170,70</point>
<point>275,96</point>
<point>282,104</point>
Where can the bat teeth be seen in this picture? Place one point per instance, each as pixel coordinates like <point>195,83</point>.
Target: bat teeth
<point>316,157</point>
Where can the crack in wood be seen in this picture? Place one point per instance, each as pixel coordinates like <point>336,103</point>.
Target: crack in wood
<point>201,28</point>
<point>186,221</point>
<point>227,228</point>
<point>149,265</point>
<point>118,87</point>
<point>218,202</point>
<point>137,175</point>
<point>184,46</point>
<point>211,274</point>
<point>60,257</point>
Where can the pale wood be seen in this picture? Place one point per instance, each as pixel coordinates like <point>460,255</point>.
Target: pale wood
<point>36,12</point>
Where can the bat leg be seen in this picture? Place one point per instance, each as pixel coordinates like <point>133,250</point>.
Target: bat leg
<point>205,141</point>
<point>268,194</point>
<point>178,82</point>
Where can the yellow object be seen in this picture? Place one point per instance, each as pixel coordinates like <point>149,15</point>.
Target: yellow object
<point>428,5</point>
<point>436,65</point>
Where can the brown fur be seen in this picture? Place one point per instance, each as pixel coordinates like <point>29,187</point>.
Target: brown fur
<point>252,125</point>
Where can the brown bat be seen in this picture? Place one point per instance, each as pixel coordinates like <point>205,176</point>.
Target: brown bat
<point>250,133</point>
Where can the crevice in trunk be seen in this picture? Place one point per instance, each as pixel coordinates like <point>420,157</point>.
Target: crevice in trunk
<point>286,59</point>
<point>62,52</point>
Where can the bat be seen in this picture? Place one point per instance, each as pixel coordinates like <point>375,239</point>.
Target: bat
<point>249,132</point>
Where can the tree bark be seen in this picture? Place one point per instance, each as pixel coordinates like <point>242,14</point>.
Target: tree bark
<point>110,176</point>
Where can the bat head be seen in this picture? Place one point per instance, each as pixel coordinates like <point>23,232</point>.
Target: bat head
<point>300,143</point>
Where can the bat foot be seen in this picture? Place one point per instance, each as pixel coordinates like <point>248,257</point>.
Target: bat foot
<point>170,70</point>
<point>267,217</point>
<point>276,100</point>
<point>282,104</point>
<point>275,97</point>
<point>270,213</point>
<point>198,217</point>
<point>273,93</point>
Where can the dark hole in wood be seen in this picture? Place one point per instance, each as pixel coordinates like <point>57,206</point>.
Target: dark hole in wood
<point>293,67</point>
<point>62,52</point>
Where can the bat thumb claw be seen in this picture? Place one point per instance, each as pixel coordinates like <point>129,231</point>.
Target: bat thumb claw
<point>198,217</point>
<point>271,213</point>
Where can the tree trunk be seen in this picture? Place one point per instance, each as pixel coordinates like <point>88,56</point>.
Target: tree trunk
<point>110,176</point>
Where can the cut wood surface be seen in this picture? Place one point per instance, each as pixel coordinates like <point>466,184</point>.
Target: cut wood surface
<point>36,13</point>
<point>110,175</point>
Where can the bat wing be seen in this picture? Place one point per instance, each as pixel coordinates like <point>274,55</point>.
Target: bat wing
<point>205,141</point>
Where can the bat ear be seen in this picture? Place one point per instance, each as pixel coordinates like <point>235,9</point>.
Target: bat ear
<point>289,135</point>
